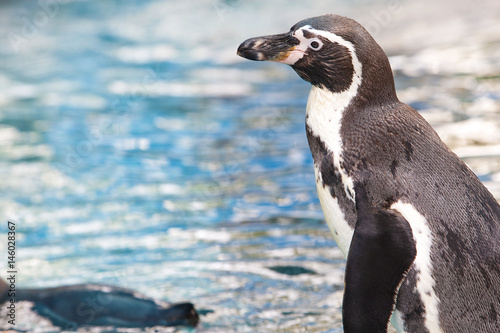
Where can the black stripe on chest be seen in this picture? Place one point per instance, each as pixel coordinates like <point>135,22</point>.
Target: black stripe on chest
<point>323,161</point>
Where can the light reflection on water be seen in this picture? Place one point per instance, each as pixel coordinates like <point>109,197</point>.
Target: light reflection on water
<point>136,149</point>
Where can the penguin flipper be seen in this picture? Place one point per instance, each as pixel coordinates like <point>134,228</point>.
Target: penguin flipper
<point>381,253</point>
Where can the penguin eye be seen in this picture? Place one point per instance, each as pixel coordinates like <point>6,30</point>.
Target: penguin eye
<point>316,44</point>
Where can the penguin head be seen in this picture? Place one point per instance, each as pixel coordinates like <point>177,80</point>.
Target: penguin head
<point>330,51</point>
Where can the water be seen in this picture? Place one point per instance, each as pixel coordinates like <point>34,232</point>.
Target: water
<point>136,148</point>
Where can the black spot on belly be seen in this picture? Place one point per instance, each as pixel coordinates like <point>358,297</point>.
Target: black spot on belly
<point>408,150</point>
<point>331,175</point>
<point>317,147</point>
<point>457,247</point>
<point>394,164</point>
<point>493,313</point>
<point>364,164</point>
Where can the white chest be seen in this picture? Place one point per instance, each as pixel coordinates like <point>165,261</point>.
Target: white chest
<point>335,218</point>
<point>324,116</point>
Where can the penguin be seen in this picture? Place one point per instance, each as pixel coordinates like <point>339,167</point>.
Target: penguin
<point>81,305</point>
<point>420,232</point>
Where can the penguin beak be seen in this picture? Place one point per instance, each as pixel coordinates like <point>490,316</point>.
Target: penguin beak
<point>276,48</point>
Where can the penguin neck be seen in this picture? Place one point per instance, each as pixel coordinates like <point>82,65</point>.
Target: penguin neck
<point>324,115</point>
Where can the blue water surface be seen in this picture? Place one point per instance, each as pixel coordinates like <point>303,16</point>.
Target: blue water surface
<point>141,154</point>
